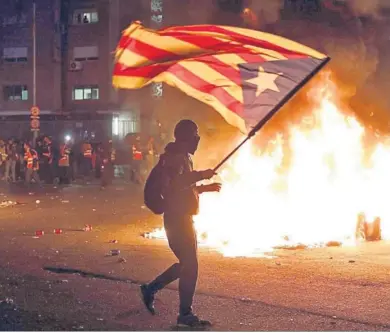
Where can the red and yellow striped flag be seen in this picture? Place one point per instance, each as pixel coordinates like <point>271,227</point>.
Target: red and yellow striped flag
<point>241,73</point>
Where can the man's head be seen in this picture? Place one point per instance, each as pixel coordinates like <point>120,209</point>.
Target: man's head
<point>186,134</point>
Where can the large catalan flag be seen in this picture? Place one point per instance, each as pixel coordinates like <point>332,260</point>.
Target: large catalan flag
<point>243,74</point>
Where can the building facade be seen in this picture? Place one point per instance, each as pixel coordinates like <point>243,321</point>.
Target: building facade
<point>75,43</point>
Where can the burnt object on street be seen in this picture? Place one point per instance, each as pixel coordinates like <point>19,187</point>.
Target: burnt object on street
<point>368,231</point>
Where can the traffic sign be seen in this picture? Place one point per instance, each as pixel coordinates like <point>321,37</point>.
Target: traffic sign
<point>34,124</point>
<point>34,111</point>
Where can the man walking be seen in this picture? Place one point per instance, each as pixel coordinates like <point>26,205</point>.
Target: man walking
<point>181,202</point>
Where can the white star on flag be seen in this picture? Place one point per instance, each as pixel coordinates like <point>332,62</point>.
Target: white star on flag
<point>264,81</point>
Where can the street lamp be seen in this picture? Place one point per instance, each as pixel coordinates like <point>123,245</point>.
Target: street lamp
<point>34,58</point>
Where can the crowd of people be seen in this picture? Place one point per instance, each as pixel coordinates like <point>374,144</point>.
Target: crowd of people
<point>51,161</point>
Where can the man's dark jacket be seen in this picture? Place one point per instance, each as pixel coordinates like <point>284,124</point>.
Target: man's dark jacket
<point>179,182</point>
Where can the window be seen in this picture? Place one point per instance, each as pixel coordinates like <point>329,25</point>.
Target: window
<point>15,54</point>
<point>13,20</point>
<point>85,53</point>
<point>15,93</point>
<point>87,16</point>
<point>81,93</point>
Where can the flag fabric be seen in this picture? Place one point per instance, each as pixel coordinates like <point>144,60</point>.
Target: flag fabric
<point>243,74</point>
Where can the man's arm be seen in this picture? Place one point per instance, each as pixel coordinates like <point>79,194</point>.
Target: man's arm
<point>177,178</point>
<point>214,187</point>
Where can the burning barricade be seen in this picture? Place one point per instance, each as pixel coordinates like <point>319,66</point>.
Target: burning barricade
<point>311,183</point>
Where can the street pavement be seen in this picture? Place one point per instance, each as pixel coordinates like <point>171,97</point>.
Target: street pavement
<point>69,281</point>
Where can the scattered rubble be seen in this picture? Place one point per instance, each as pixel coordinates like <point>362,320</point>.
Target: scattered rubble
<point>7,203</point>
<point>333,244</point>
<point>39,233</point>
<point>87,227</point>
<point>7,300</point>
<point>115,252</point>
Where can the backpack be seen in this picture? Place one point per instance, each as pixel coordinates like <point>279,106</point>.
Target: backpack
<point>153,198</point>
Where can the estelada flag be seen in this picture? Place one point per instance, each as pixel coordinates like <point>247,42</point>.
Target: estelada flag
<point>243,74</point>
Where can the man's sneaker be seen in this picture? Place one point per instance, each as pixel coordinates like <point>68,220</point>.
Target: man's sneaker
<point>148,298</point>
<point>191,320</point>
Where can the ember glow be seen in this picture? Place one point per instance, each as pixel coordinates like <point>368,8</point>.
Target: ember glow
<point>316,198</point>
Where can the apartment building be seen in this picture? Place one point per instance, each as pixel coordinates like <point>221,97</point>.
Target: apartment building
<point>75,41</point>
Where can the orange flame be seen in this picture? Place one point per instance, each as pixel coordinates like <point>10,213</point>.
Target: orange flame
<point>316,199</point>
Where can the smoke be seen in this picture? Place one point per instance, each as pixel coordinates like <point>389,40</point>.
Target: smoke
<point>368,7</point>
<point>357,47</point>
<point>354,44</point>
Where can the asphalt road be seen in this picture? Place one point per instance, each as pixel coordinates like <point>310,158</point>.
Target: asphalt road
<point>70,282</point>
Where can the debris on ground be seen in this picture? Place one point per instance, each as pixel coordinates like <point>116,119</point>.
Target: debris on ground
<point>39,233</point>
<point>115,252</point>
<point>7,300</point>
<point>333,244</point>
<point>122,260</point>
<point>65,201</point>
<point>291,247</point>
<point>114,241</point>
<point>7,203</point>
<point>87,227</point>
<point>37,201</point>
<point>245,299</point>
<point>352,261</point>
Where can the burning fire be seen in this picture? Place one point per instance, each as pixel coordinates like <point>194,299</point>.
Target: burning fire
<point>316,198</point>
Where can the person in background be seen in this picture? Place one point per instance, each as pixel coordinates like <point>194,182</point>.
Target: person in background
<point>3,158</point>
<point>12,158</point>
<point>20,164</point>
<point>47,160</point>
<point>86,162</point>
<point>64,163</point>
<point>32,165</point>
<point>97,159</point>
<point>150,153</point>
<point>75,159</point>
<point>136,161</point>
<point>109,156</point>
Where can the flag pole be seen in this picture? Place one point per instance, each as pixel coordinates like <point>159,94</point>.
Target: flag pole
<point>276,108</point>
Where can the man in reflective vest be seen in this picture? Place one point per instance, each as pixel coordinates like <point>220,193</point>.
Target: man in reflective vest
<point>63,164</point>
<point>32,165</point>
